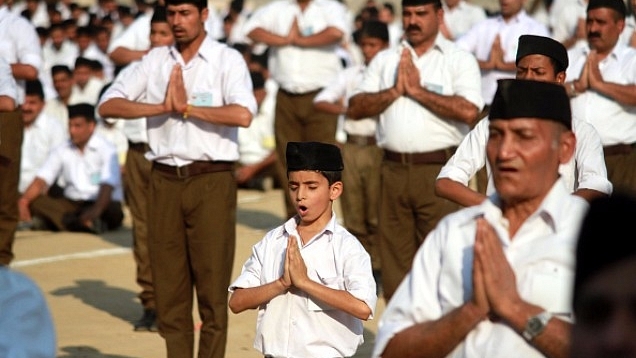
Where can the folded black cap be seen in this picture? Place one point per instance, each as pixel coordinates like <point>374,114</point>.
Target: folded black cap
<point>541,45</point>
<point>313,156</point>
<point>617,5</point>
<point>531,99</point>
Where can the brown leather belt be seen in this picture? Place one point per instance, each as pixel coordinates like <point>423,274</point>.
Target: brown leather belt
<point>618,149</point>
<point>194,168</point>
<point>435,157</point>
<point>138,147</point>
<point>293,94</point>
<point>360,139</point>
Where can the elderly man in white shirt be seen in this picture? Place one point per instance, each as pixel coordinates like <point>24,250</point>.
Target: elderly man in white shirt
<point>494,42</point>
<point>603,89</point>
<point>542,59</point>
<point>495,280</point>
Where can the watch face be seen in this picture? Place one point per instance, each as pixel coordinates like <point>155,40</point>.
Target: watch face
<point>535,324</point>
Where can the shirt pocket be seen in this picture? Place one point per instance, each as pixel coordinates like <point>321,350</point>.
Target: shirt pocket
<point>336,283</point>
<point>551,288</point>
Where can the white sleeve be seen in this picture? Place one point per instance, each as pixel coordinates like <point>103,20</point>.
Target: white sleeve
<point>590,161</point>
<point>470,156</point>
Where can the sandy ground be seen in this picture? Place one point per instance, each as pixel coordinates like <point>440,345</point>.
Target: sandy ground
<point>89,284</point>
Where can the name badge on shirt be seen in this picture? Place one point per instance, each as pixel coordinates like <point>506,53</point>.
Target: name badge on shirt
<point>435,88</point>
<point>95,178</point>
<point>201,99</point>
<point>307,30</point>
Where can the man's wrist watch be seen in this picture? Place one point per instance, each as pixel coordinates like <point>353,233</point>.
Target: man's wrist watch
<point>536,325</point>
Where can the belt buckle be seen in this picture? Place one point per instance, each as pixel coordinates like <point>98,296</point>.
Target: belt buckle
<point>360,140</point>
<point>182,172</point>
<point>405,158</point>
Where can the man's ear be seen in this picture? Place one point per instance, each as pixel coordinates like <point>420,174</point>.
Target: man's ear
<point>567,146</point>
<point>335,190</point>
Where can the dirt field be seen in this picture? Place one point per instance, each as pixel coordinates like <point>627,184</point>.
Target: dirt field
<point>89,284</point>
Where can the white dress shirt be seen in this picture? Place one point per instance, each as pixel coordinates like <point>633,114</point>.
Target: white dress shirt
<point>342,88</point>
<point>479,39</point>
<point>40,138</point>
<point>294,324</point>
<point>216,76</point>
<point>444,69</point>
<point>8,87</point>
<point>19,43</point>
<point>615,123</point>
<point>83,172</point>
<point>301,69</point>
<point>89,94</point>
<point>257,141</point>
<point>462,17</point>
<point>541,254</point>
<point>586,169</point>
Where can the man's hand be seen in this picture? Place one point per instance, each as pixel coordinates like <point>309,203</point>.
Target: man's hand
<point>294,33</point>
<point>296,264</point>
<point>88,215</point>
<point>479,290</point>
<point>594,73</point>
<point>500,285</point>
<point>179,95</point>
<point>412,74</point>
<point>497,54</point>
<point>23,208</point>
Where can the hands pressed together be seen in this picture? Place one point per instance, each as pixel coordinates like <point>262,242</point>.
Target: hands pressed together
<point>176,95</point>
<point>590,77</point>
<point>494,283</point>
<point>407,82</point>
<point>295,271</point>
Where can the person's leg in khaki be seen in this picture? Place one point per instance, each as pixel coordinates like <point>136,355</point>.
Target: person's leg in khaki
<point>211,231</point>
<point>11,132</point>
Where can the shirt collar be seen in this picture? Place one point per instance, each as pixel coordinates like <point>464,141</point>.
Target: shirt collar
<point>521,15</point>
<point>441,44</point>
<point>291,228</point>
<point>550,211</point>
<point>617,52</point>
<point>205,51</point>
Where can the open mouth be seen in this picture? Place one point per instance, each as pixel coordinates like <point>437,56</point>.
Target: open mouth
<point>302,210</point>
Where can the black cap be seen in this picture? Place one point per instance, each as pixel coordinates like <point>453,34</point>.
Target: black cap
<point>200,4</point>
<point>617,5</point>
<point>609,218</point>
<point>531,99</point>
<point>437,3</point>
<point>159,14</point>
<point>82,110</point>
<point>541,45</point>
<point>313,156</point>
<point>258,80</point>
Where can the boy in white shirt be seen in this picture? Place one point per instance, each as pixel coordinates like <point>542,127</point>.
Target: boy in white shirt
<point>310,279</point>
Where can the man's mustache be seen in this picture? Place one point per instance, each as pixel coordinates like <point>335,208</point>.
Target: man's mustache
<point>413,27</point>
<point>593,34</point>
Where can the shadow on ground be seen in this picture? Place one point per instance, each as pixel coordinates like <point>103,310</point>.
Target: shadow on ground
<point>259,220</point>
<point>120,237</point>
<point>115,301</point>
<point>86,352</point>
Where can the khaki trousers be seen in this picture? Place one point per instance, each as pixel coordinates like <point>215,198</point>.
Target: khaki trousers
<point>409,210</point>
<point>11,133</point>
<point>621,171</point>
<point>297,121</point>
<point>192,235</point>
<point>360,199</point>
<point>136,188</point>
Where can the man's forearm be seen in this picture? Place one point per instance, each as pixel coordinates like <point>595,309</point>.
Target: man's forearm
<point>123,108</point>
<point>365,105</point>
<point>435,338</point>
<point>449,107</point>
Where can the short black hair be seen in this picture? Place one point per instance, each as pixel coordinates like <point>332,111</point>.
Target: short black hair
<point>61,69</point>
<point>200,4</point>
<point>34,88</point>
